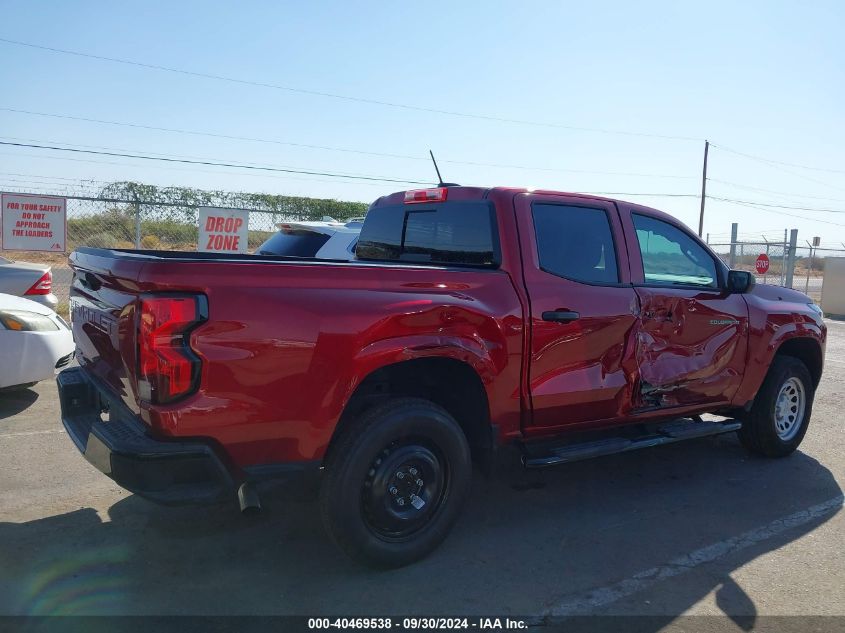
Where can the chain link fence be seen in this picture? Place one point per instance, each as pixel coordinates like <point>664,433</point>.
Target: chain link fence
<point>790,265</point>
<point>105,222</point>
<point>156,219</point>
<point>809,268</point>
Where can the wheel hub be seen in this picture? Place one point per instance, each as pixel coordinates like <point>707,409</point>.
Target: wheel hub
<point>789,408</point>
<point>403,488</point>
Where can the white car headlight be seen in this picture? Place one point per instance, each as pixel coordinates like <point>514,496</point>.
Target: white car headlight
<point>24,321</point>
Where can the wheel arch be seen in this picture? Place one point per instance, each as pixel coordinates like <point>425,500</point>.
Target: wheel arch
<point>450,383</point>
<point>808,351</point>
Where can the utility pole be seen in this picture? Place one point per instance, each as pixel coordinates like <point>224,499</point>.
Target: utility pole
<point>703,188</point>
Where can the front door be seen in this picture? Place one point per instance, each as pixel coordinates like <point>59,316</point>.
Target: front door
<point>692,336</point>
<point>583,310</point>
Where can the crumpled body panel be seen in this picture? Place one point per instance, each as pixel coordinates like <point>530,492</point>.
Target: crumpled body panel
<point>691,346</point>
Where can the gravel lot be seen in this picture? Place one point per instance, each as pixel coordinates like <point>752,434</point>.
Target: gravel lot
<point>694,528</point>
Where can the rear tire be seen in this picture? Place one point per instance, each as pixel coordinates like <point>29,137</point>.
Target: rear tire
<point>781,411</point>
<point>396,480</point>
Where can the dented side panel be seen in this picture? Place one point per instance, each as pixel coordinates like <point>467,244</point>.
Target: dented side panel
<point>580,373</point>
<point>691,346</point>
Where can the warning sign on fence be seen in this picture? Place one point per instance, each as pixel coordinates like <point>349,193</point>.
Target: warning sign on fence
<point>33,223</point>
<point>223,230</point>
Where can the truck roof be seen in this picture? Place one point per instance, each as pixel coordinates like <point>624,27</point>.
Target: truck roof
<point>460,192</point>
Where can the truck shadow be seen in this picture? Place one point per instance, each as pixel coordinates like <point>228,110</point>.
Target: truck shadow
<point>525,545</point>
<point>14,401</point>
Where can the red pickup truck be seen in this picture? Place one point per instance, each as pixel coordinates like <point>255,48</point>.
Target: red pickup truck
<point>567,326</point>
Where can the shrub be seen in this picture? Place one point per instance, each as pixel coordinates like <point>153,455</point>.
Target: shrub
<point>151,243</point>
<point>100,240</point>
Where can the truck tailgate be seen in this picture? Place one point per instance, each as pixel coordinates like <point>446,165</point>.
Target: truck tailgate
<point>103,302</point>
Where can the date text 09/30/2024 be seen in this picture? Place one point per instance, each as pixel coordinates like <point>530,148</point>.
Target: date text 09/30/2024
<point>418,623</point>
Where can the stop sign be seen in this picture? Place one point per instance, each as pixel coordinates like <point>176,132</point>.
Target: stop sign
<point>762,263</point>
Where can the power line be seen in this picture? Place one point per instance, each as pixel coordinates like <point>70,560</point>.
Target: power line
<point>779,167</point>
<point>253,166</point>
<point>216,164</point>
<point>779,206</point>
<point>48,182</point>
<point>210,134</point>
<point>621,193</point>
<point>331,95</point>
<point>82,182</point>
<point>8,173</point>
<point>792,215</point>
<point>123,149</point>
<point>192,170</point>
<point>171,169</point>
<point>778,162</point>
<point>331,148</point>
<point>778,193</point>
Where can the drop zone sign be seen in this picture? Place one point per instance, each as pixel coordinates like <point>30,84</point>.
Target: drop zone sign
<point>223,230</point>
<point>33,223</point>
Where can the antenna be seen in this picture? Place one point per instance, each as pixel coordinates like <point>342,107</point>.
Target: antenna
<point>440,182</point>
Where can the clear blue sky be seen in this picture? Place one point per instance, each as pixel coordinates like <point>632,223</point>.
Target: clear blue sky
<point>764,78</point>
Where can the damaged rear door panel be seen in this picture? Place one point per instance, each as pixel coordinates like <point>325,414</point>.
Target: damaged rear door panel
<point>692,334</point>
<point>583,310</point>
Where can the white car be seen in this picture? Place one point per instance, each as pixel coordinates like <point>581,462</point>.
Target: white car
<point>327,239</point>
<point>34,342</point>
<point>33,281</point>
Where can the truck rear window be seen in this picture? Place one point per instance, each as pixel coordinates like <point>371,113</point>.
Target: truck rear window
<point>437,233</point>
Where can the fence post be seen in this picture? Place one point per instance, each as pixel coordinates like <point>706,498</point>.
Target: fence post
<point>790,259</point>
<point>809,269</point>
<point>734,232</point>
<point>137,224</point>
<point>766,274</point>
<point>783,260</point>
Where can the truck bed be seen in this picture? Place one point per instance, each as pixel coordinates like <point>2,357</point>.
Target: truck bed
<point>287,340</point>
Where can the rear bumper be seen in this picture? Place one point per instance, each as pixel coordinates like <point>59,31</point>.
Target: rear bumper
<point>51,301</point>
<point>165,471</point>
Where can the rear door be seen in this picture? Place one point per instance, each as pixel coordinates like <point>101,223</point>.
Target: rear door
<point>582,309</point>
<point>692,337</point>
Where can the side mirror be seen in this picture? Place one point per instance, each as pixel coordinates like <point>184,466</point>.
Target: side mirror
<point>740,281</point>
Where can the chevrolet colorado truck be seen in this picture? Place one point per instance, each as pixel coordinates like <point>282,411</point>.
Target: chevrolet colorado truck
<point>565,326</point>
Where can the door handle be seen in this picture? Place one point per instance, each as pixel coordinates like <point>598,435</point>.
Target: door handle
<point>561,316</point>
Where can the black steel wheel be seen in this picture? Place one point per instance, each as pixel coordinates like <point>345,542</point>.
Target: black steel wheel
<point>405,485</point>
<point>395,482</point>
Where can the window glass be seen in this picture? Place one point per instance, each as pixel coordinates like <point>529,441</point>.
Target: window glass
<point>439,233</point>
<point>293,243</point>
<point>575,242</point>
<point>672,257</point>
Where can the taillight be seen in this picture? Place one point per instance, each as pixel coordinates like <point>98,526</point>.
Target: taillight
<point>43,286</point>
<point>426,195</point>
<point>168,368</point>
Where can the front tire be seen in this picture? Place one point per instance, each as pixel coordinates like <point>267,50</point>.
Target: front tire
<point>780,415</point>
<point>396,480</point>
